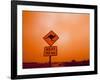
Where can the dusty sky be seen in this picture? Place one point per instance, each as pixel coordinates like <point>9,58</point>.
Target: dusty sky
<point>72,29</point>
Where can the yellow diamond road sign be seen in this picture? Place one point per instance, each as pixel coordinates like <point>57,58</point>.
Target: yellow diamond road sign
<point>51,38</point>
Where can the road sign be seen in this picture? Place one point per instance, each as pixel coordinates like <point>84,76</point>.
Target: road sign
<point>50,51</point>
<point>51,38</point>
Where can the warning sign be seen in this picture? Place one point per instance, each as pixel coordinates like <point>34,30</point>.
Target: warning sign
<point>51,38</point>
<point>50,51</point>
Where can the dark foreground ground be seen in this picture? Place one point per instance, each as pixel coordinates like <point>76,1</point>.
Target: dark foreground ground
<point>56,64</point>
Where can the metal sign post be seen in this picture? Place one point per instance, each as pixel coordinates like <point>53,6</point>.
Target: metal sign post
<point>50,61</point>
<point>50,51</point>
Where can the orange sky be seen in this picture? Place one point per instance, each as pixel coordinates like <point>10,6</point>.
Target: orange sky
<point>72,29</point>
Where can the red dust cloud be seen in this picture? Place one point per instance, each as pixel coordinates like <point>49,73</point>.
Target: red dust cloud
<point>73,44</point>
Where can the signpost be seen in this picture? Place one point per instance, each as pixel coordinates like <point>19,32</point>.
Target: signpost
<point>50,38</point>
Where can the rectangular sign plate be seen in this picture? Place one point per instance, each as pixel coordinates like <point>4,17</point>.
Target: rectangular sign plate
<point>50,51</point>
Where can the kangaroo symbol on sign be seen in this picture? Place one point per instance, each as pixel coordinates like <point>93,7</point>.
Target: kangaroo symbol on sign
<point>51,36</point>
